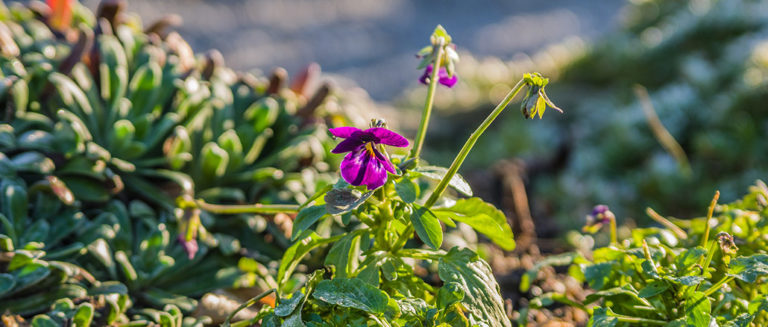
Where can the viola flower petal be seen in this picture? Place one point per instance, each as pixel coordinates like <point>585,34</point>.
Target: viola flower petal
<point>388,137</point>
<point>376,174</point>
<point>442,75</point>
<point>384,161</point>
<point>361,168</point>
<point>446,80</point>
<point>354,166</point>
<point>350,144</point>
<point>343,132</point>
<point>424,79</point>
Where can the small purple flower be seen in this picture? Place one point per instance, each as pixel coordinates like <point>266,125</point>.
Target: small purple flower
<point>365,164</point>
<point>190,246</point>
<point>600,215</point>
<point>442,75</point>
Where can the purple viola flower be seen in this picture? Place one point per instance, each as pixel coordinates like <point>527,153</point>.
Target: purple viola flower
<point>365,164</point>
<point>442,75</point>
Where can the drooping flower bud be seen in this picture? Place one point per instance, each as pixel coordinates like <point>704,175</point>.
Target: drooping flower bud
<point>536,100</point>
<point>440,42</point>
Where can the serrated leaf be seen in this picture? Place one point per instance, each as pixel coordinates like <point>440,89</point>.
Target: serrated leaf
<point>474,276</point>
<point>750,268</point>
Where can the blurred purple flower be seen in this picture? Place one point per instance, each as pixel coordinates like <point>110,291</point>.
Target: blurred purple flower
<point>365,164</point>
<point>190,246</point>
<point>442,75</point>
<point>600,215</point>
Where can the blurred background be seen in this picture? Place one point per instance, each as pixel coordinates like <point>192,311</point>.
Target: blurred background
<point>702,64</point>
<point>368,41</point>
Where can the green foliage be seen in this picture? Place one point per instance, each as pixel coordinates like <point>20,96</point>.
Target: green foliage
<point>657,277</point>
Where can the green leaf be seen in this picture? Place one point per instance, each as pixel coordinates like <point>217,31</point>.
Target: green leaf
<point>602,317</point>
<point>84,315</point>
<point>43,321</point>
<point>306,218</point>
<point>484,218</point>
<point>427,227</point>
<point>297,251</point>
<point>689,258</point>
<point>449,294</point>
<point>294,319</point>
<point>7,282</point>
<point>407,190</point>
<point>437,173</point>
<point>654,288</point>
<point>106,288</point>
<point>598,275</point>
<point>344,254</point>
<point>697,310</point>
<point>352,293</point>
<point>686,280</point>
<point>749,268</point>
<point>288,306</point>
<point>342,200</point>
<point>482,296</point>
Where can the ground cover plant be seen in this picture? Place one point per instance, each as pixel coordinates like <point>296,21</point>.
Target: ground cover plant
<point>709,271</point>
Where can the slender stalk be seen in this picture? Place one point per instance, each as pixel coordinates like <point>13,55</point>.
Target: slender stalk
<point>459,160</point>
<point>247,208</point>
<point>638,320</point>
<point>419,141</point>
<point>717,285</point>
<point>709,217</point>
<point>245,305</point>
<point>668,224</point>
<point>707,260</point>
<point>612,222</point>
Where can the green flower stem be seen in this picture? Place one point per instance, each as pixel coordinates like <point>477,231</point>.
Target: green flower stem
<point>459,160</point>
<point>419,141</point>
<point>708,259</point>
<point>717,285</point>
<point>612,222</point>
<point>247,304</point>
<point>638,320</point>
<point>709,217</point>
<point>231,209</point>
